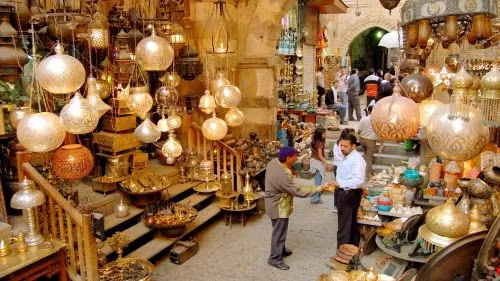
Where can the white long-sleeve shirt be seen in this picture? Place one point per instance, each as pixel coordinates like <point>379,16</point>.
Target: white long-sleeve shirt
<point>351,171</point>
<point>337,154</point>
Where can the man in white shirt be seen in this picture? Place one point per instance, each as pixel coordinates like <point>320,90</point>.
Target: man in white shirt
<point>349,181</point>
<point>368,139</point>
<point>320,85</point>
<point>343,77</point>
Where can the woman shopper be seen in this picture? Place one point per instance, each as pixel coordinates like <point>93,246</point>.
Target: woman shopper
<point>318,160</point>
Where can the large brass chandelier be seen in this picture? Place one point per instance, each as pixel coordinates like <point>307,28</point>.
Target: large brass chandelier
<point>428,21</point>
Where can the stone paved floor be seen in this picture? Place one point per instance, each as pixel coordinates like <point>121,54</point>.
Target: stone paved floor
<point>240,253</point>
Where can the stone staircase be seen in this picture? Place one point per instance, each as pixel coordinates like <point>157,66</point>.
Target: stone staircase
<point>146,242</point>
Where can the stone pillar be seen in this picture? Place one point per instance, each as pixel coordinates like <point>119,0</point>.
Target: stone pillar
<point>258,87</point>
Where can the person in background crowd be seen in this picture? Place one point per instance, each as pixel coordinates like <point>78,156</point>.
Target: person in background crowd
<point>353,94</point>
<point>349,181</point>
<point>332,102</point>
<point>320,79</point>
<point>338,156</point>
<point>372,83</point>
<point>343,77</point>
<point>380,74</point>
<point>278,200</point>
<point>385,88</point>
<point>368,139</point>
<point>318,160</point>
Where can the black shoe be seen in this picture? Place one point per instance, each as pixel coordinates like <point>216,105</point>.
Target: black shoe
<point>287,252</point>
<point>343,123</point>
<point>279,265</point>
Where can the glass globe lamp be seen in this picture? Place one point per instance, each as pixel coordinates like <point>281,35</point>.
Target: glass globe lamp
<point>457,139</point>
<point>174,121</point>
<point>163,125</point>
<point>166,96</point>
<point>234,117</point>
<point>41,132</point>
<point>78,116</point>
<point>147,132</point>
<point>172,148</point>
<point>94,99</point>
<point>154,53</point>
<point>172,79</point>
<point>395,118</point>
<point>17,114</point>
<point>214,128</point>
<point>426,108</point>
<point>72,162</point>
<point>207,103</point>
<point>140,101</point>
<point>60,73</point>
<point>228,96</point>
<point>220,80</point>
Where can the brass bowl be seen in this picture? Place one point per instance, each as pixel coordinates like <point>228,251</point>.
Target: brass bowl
<point>492,175</point>
<point>114,270</point>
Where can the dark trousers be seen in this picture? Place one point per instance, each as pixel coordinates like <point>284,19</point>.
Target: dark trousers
<point>321,92</point>
<point>354,106</point>
<point>278,238</point>
<point>369,147</point>
<point>347,207</point>
<point>369,100</point>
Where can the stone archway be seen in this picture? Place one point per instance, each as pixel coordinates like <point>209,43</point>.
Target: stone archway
<point>385,22</point>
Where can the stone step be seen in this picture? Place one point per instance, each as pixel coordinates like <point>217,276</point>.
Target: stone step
<point>111,220</point>
<point>390,159</point>
<point>160,242</point>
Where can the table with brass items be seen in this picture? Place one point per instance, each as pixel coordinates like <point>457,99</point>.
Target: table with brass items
<point>228,213</point>
<point>36,262</point>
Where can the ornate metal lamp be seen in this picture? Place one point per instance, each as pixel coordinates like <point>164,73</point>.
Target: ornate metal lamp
<point>217,37</point>
<point>26,199</point>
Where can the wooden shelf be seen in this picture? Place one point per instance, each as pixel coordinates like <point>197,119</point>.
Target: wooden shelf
<point>368,222</point>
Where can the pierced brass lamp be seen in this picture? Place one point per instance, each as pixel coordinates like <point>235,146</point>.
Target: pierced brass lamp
<point>26,199</point>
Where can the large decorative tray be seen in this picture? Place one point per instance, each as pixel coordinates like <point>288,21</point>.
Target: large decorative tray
<point>180,215</point>
<point>208,187</point>
<point>127,269</point>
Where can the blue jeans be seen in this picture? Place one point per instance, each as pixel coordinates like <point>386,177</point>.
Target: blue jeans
<point>343,99</point>
<point>318,179</point>
<point>341,108</point>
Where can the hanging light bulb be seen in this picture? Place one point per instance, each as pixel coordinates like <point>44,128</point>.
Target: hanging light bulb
<point>172,148</point>
<point>98,31</point>
<point>228,96</point>
<point>217,37</point>
<point>154,53</point>
<point>140,101</point>
<point>234,117</point>
<point>147,132</point>
<point>220,80</point>
<point>78,116</point>
<point>40,132</point>
<point>163,125</point>
<point>94,99</point>
<point>174,121</point>
<point>214,128</point>
<point>207,103</point>
<point>60,73</point>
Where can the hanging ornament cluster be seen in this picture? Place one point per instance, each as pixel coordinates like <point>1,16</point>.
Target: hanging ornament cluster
<point>226,96</point>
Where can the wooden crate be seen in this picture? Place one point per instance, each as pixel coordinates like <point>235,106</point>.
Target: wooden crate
<point>118,124</point>
<point>115,142</point>
<point>118,107</point>
<point>139,160</point>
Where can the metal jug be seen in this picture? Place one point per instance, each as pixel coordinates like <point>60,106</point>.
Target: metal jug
<point>5,249</point>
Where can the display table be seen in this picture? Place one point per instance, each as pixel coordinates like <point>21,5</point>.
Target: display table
<point>405,249</point>
<point>228,214</point>
<point>35,263</point>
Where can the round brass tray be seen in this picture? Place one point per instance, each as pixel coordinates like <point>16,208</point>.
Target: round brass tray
<point>207,178</point>
<point>117,270</point>
<point>142,193</point>
<point>163,226</point>
<point>208,187</point>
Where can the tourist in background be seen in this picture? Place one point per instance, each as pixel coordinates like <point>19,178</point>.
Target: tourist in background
<point>318,160</point>
<point>368,139</point>
<point>278,200</point>
<point>385,88</point>
<point>332,102</point>
<point>320,84</point>
<point>353,95</point>
<point>343,85</point>
<point>372,83</point>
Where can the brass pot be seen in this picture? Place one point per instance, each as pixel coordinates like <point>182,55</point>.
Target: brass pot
<point>479,189</point>
<point>492,175</point>
<point>463,184</point>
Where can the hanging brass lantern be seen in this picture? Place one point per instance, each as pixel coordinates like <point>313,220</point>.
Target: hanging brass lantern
<point>417,86</point>
<point>395,117</point>
<point>154,53</point>
<point>94,99</point>
<point>228,96</point>
<point>177,34</point>
<point>12,56</point>
<point>413,35</point>
<point>490,99</point>
<point>214,128</point>
<point>172,148</point>
<point>424,32</point>
<point>40,132</point>
<point>17,114</point>
<point>98,31</point>
<point>216,36</point>
<point>78,116</point>
<point>60,73</point>
<point>147,132</point>
<point>134,37</point>
<point>389,4</point>
<point>451,28</point>
<point>188,65</point>
<point>207,103</point>
<point>234,117</point>
<point>72,162</point>
<point>166,96</point>
<point>140,101</point>
<point>172,79</point>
